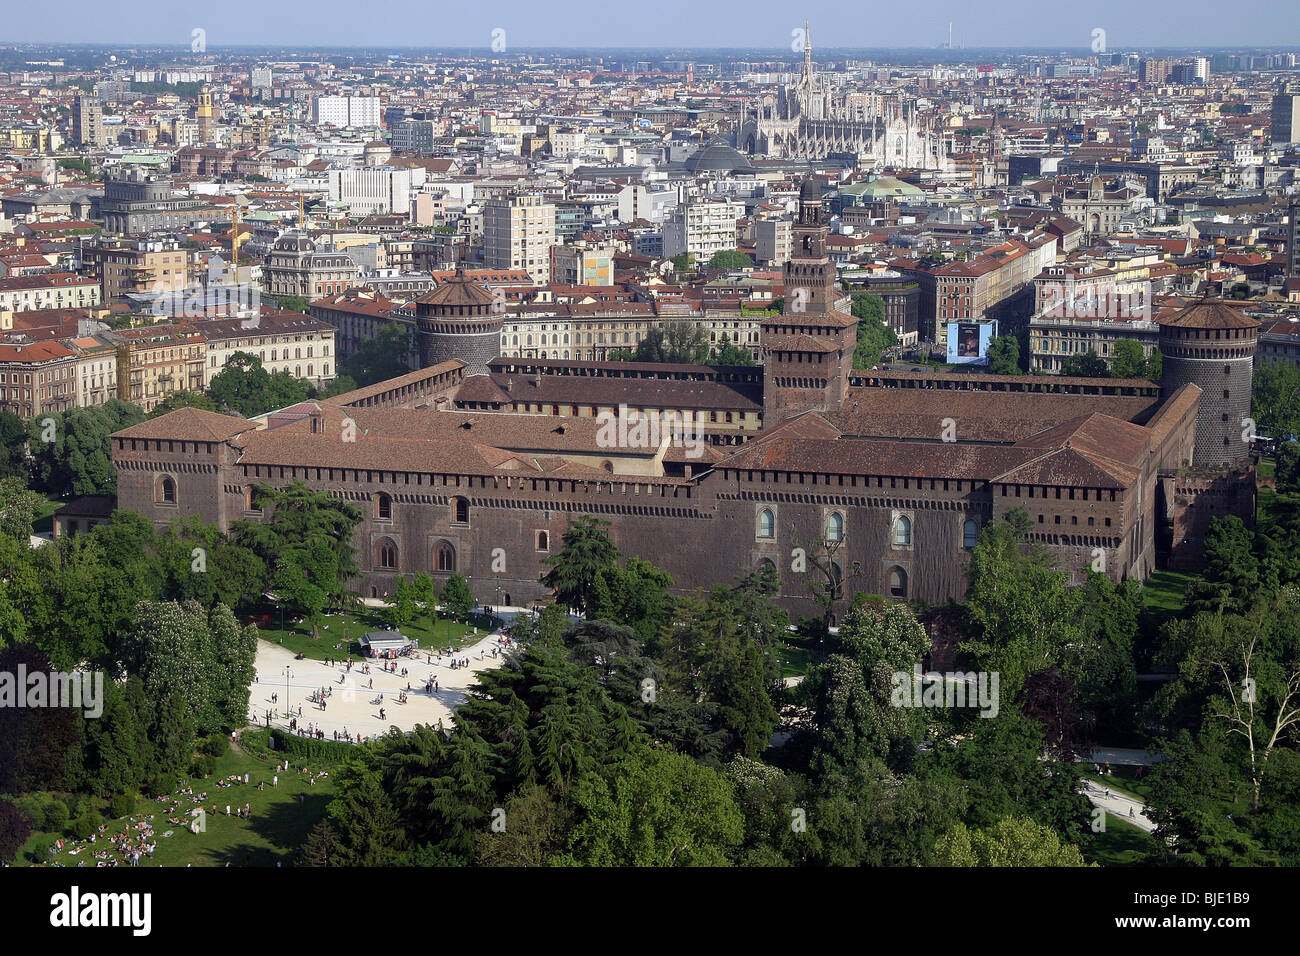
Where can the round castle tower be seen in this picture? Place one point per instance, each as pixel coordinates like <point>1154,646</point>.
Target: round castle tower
<point>460,320</point>
<point>1212,346</point>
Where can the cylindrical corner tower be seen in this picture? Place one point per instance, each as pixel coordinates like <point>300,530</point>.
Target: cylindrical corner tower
<point>1212,346</point>
<point>460,320</point>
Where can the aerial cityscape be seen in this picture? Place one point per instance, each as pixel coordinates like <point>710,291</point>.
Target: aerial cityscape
<point>828,444</point>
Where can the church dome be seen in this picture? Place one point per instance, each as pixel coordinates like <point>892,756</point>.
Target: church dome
<point>715,156</point>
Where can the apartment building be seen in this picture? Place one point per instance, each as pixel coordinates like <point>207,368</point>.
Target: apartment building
<point>772,241</point>
<point>582,265</point>
<point>284,341</point>
<point>51,290</point>
<point>157,361</point>
<point>518,232</point>
<point>37,377</point>
<point>702,228</point>
<point>96,375</point>
<point>145,265</point>
<point>372,190</point>
<point>357,111</point>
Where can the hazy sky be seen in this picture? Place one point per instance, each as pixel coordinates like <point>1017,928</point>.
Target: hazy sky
<point>659,23</point>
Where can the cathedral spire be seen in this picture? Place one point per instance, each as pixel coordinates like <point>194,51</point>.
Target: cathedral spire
<point>807,54</point>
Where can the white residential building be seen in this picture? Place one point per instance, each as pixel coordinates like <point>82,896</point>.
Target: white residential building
<point>375,189</point>
<point>518,232</point>
<point>702,228</point>
<point>356,111</point>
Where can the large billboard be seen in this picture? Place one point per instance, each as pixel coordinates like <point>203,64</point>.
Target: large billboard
<point>968,342</point>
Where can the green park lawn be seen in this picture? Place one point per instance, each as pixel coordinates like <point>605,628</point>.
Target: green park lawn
<point>1120,844</point>
<point>797,654</point>
<point>280,819</point>
<point>346,629</point>
<point>43,522</point>
<point>1163,592</point>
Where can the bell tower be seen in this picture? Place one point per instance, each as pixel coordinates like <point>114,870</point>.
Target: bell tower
<point>808,349</point>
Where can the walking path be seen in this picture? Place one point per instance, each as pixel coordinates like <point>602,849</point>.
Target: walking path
<point>353,703</point>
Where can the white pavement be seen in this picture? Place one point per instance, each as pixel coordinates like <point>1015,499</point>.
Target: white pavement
<point>1125,807</point>
<point>353,703</point>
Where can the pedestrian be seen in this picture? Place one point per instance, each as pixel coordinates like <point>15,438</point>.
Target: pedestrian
<point>275,781</point>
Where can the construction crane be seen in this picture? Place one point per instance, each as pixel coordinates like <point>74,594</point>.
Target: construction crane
<point>236,240</point>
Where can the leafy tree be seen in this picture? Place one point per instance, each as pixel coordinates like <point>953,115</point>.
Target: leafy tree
<point>13,446</point>
<point>1004,355</point>
<point>198,563</point>
<point>14,831</point>
<point>678,342</point>
<point>536,829</point>
<point>247,388</point>
<point>364,817</point>
<point>1246,669</point>
<point>18,508</point>
<point>292,303</point>
<point>401,607</point>
<point>574,570</point>
<point>1275,399</point>
<point>1012,841</point>
<point>659,809</point>
<point>1020,610</point>
<point>340,386</point>
<point>1288,467</point>
<point>1190,790</point>
<point>635,596</point>
<point>381,356</point>
<point>306,545</point>
<point>79,459</point>
<point>683,261</point>
<point>874,336</point>
<point>1128,360</point>
<point>457,597</point>
<point>204,657</point>
<point>1088,365</point>
<point>728,259</point>
<point>729,353</point>
<point>185,400</point>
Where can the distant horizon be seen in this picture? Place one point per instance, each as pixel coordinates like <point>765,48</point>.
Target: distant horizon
<point>576,25</point>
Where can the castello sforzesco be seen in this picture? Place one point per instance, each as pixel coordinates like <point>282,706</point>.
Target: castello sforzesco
<point>478,463</point>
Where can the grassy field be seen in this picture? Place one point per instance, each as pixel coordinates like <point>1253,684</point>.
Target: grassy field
<point>797,654</point>
<point>44,520</point>
<point>1163,592</point>
<point>1120,844</point>
<point>346,629</point>
<point>278,824</point>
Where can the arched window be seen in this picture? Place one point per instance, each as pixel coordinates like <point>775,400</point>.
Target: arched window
<point>385,553</point>
<point>460,510</point>
<point>383,507</point>
<point>766,524</point>
<point>543,541</point>
<point>165,491</point>
<point>835,586</point>
<point>249,503</point>
<point>765,565</point>
<point>444,557</point>
<point>897,582</point>
<point>607,466</point>
<point>902,531</point>
<point>835,527</point>
<point>970,533</point>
